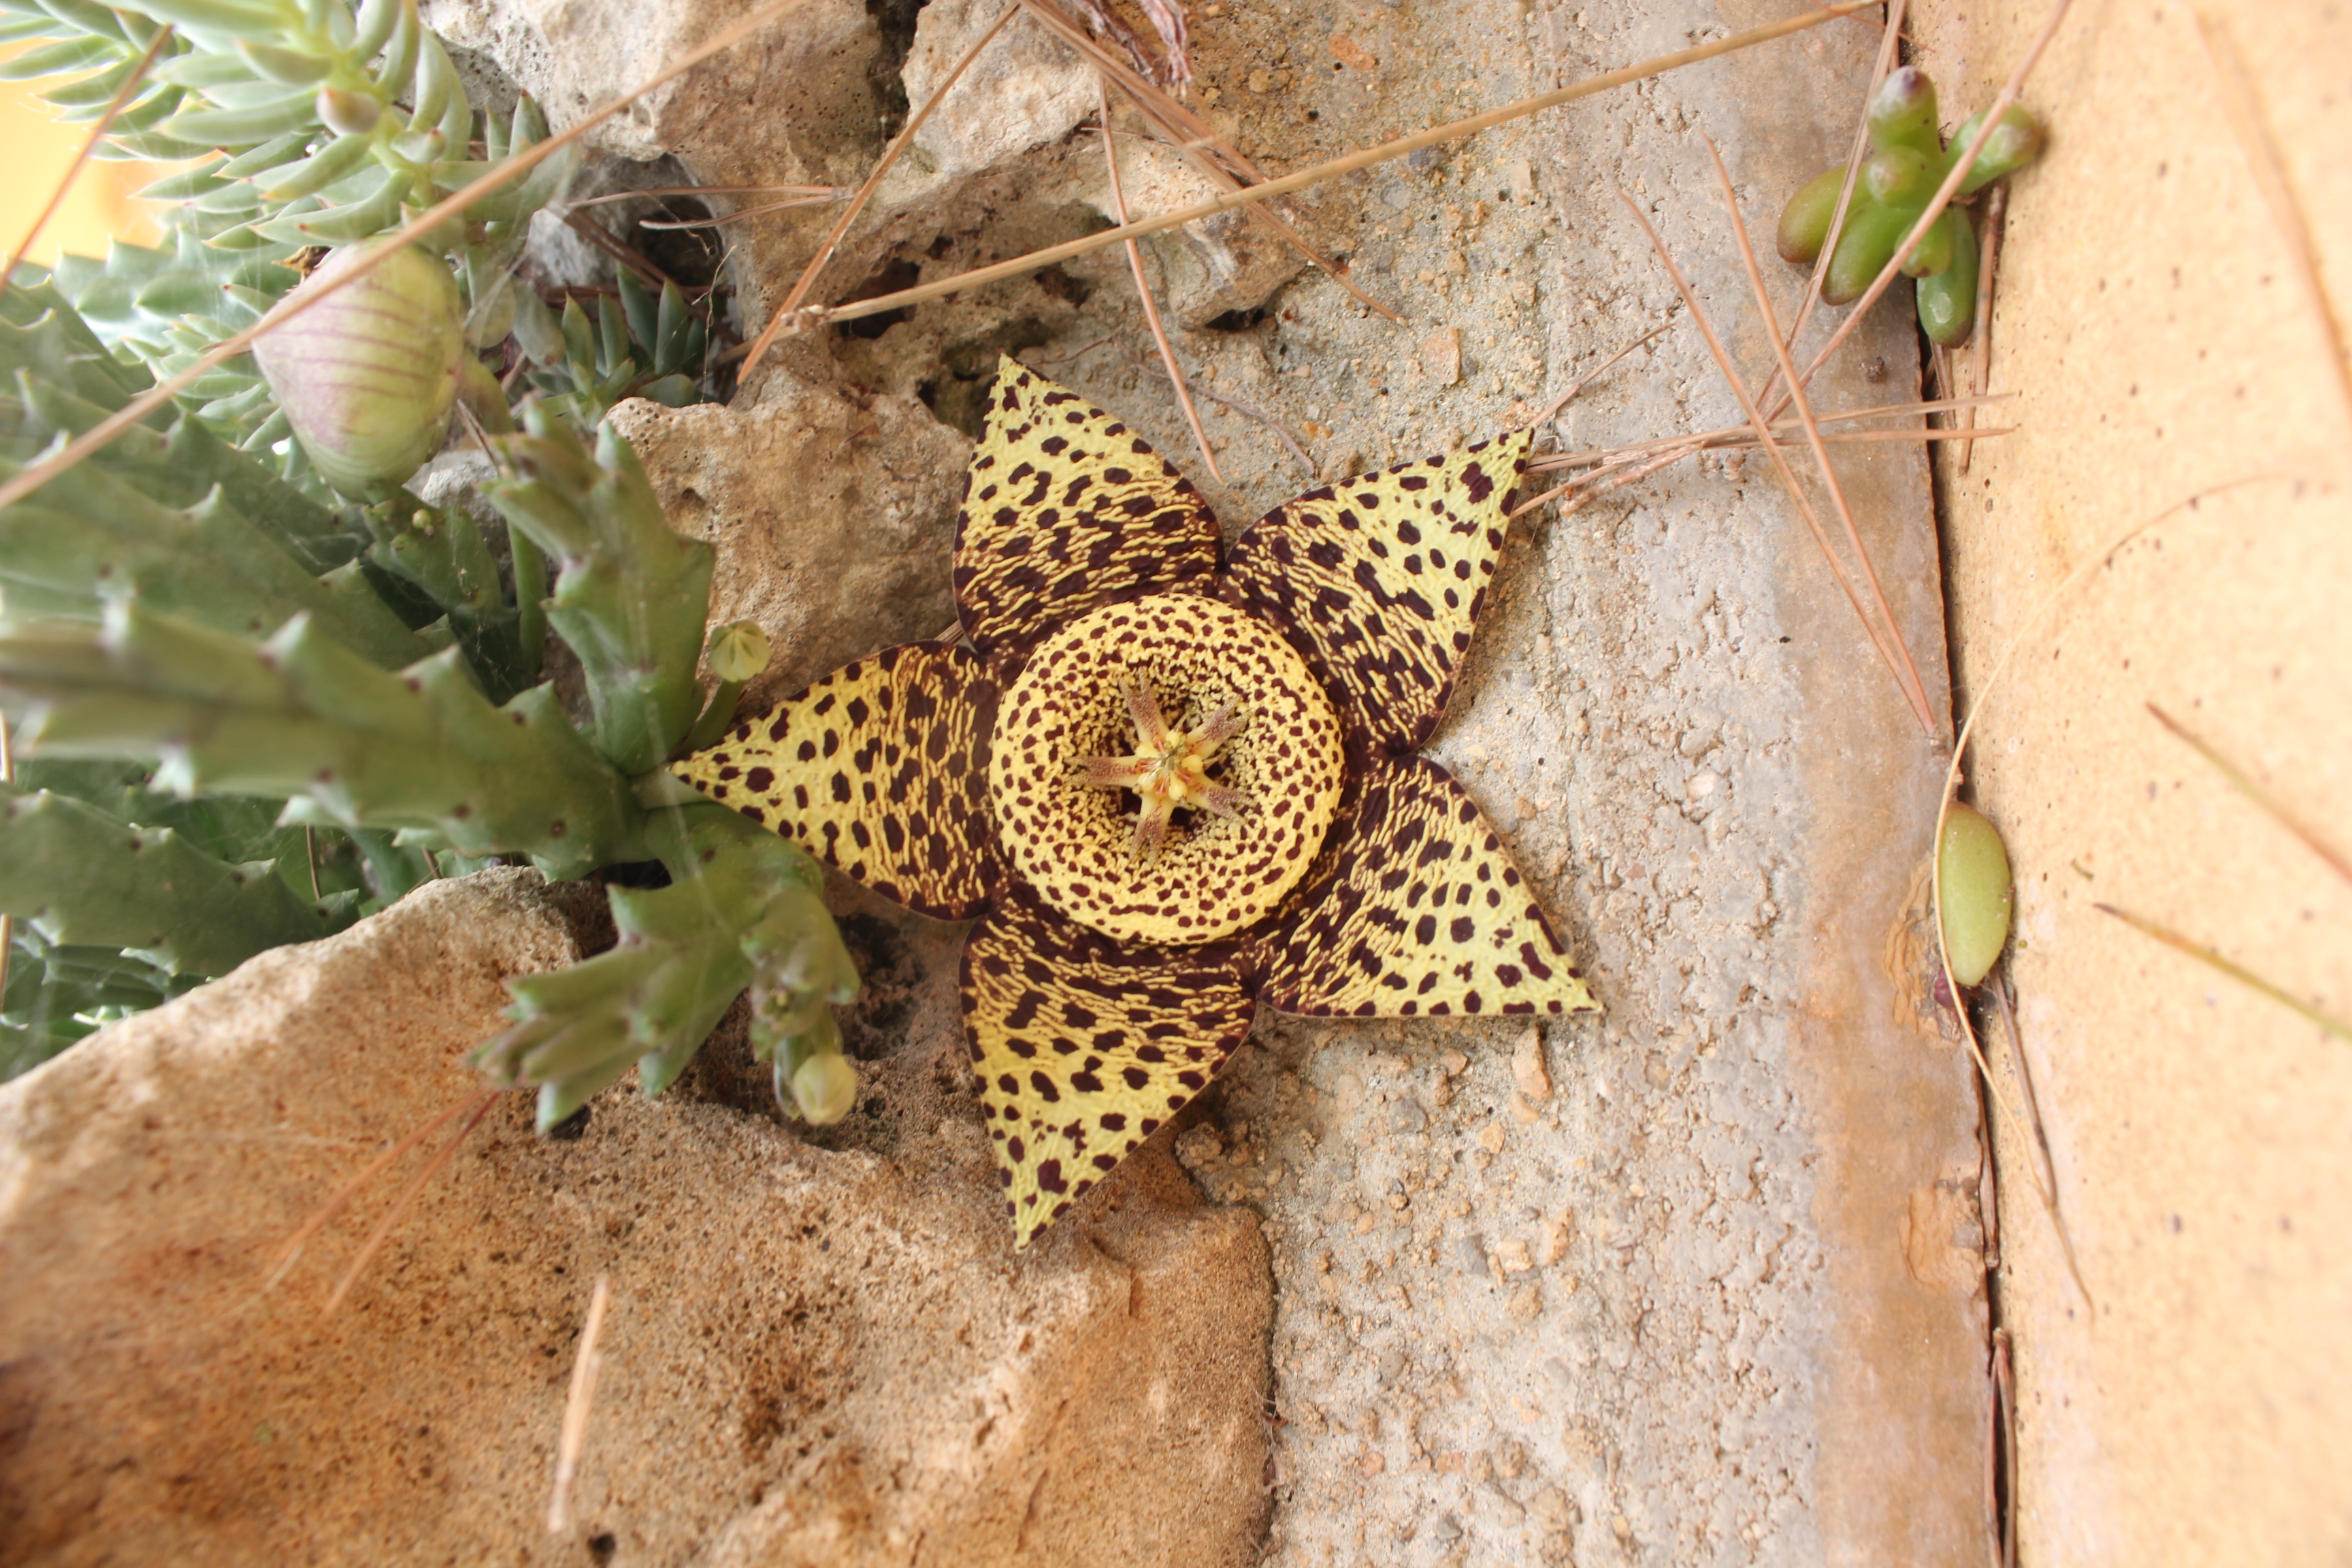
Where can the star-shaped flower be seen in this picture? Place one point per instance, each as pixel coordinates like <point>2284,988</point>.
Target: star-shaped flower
<point>1170,787</point>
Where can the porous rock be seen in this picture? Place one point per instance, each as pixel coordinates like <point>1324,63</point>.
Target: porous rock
<point>834,519</point>
<point>809,1354</point>
<point>1214,266</point>
<point>786,105</point>
<point>1024,90</point>
<point>801,101</point>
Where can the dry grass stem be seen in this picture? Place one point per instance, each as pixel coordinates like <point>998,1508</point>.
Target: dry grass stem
<point>1217,159</point>
<point>2336,859</point>
<point>1888,43</point>
<point>1744,434</point>
<point>2242,100</point>
<point>25,482</point>
<point>1613,465</point>
<point>577,1403</point>
<point>1942,198</point>
<point>2237,971</point>
<point>2045,1167</point>
<point>1330,169</point>
<point>122,95</point>
<point>2028,1125</point>
<point>865,191</point>
<point>669,225</point>
<point>1771,448</point>
<point>1914,689</point>
<point>598,236</point>
<point>1996,209</point>
<point>408,1196</point>
<point>1281,434</point>
<point>1551,410</point>
<point>1143,290</point>
<point>343,1196</point>
<point>817,193</point>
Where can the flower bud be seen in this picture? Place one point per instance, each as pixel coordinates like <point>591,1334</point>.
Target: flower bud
<point>367,376</point>
<point>823,1088</point>
<point>738,651</point>
<point>1972,877</point>
<point>349,113</point>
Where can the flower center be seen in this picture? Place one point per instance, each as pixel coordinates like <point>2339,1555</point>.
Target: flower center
<point>1150,832</point>
<point>1169,769</point>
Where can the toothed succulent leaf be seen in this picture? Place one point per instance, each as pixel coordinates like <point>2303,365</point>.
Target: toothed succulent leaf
<point>85,879</point>
<point>631,597</point>
<point>304,718</point>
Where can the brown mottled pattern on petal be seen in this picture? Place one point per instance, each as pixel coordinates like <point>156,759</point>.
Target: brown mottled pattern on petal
<point>1083,1047</point>
<point>1377,582</point>
<point>1066,509</point>
<point>1424,915</point>
<point>880,769</point>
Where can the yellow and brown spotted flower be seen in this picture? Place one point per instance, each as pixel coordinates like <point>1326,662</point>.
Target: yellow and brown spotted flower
<point>1169,786</point>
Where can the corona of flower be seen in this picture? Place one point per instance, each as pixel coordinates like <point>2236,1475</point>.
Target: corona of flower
<point>1170,785</point>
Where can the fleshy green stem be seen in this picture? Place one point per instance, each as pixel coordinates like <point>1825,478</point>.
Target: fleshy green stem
<point>741,909</point>
<point>302,716</point>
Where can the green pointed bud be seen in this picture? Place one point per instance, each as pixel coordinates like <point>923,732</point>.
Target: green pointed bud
<point>1901,177</point>
<point>367,376</point>
<point>2015,142</point>
<point>1972,877</point>
<point>347,112</point>
<point>1805,221</point>
<point>1902,113</point>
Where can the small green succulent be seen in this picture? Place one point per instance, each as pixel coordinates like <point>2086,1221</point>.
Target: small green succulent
<point>1907,164</point>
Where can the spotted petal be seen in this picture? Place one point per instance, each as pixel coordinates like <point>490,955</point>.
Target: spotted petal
<point>1422,913</point>
<point>1066,509</point>
<point>1377,582</point>
<point>881,770</point>
<point>1085,1047</point>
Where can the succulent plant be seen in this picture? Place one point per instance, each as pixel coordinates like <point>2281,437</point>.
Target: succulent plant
<point>1907,164</point>
<point>310,125</point>
<point>630,595</point>
<point>208,623</point>
<point>82,879</point>
<point>650,346</point>
<point>1120,953</point>
<point>742,910</point>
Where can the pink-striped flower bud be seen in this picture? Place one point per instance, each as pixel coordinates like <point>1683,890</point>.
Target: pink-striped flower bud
<point>368,374</point>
